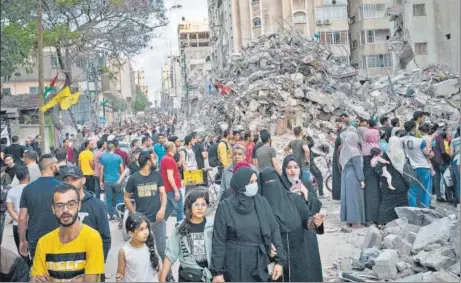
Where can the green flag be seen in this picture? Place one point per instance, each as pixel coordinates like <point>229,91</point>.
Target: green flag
<point>102,103</point>
<point>47,92</point>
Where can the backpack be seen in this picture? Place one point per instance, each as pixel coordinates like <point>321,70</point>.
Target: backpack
<point>213,156</point>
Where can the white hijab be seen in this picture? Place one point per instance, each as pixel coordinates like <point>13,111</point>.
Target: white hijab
<point>396,153</point>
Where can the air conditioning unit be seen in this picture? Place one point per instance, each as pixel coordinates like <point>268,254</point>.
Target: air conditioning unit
<point>319,22</point>
<point>327,22</point>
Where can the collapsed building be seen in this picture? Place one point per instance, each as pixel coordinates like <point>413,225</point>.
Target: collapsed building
<point>287,79</point>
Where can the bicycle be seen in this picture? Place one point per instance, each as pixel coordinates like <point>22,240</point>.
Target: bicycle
<point>214,187</point>
<point>328,161</point>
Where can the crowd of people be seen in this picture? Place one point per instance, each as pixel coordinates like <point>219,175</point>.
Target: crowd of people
<point>269,213</point>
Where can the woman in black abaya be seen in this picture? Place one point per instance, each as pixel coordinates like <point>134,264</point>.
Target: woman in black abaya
<point>293,217</point>
<point>291,176</point>
<point>244,231</point>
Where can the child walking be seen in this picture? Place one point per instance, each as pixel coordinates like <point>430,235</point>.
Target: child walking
<point>137,260</point>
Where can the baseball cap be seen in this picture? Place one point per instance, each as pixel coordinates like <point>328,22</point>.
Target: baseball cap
<point>72,171</point>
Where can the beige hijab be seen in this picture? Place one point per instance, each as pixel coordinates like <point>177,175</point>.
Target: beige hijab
<point>396,153</point>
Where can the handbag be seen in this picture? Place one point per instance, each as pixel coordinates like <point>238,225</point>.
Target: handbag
<point>191,274</point>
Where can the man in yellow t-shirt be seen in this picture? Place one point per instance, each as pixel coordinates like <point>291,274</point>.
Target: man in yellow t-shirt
<point>86,163</point>
<point>72,252</point>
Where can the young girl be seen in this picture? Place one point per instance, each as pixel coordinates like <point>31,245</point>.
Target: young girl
<point>376,153</point>
<point>137,260</point>
<point>191,242</point>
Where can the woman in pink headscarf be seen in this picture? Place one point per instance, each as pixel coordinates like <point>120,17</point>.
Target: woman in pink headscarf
<point>372,190</point>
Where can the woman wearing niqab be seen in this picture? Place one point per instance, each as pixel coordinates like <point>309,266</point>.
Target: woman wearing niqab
<point>244,230</point>
<point>312,259</point>
<point>293,217</point>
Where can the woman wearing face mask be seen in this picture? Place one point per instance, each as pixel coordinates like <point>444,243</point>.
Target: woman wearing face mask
<point>292,181</point>
<point>191,242</point>
<point>244,231</point>
<point>293,216</point>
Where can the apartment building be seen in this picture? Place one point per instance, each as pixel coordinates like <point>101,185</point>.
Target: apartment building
<point>195,60</point>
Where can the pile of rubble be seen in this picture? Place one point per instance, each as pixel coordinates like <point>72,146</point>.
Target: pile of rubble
<point>422,245</point>
<point>287,76</point>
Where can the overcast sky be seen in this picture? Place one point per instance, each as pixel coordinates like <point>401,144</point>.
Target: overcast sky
<point>152,60</point>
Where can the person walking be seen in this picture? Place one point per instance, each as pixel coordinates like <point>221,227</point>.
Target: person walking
<point>266,155</point>
<point>224,151</point>
<point>172,182</point>
<point>71,152</point>
<point>36,214</point>
<point>238,155</point>
<point>159,149</point>
<point>121,153</point>
<point>190,243</point>
<point>301,151</point>
<point>111,177</point>
<point>86,163</point>
<point>92,210</point>
<point>16,150</point>
<point>245,235</point>
<point>137,260</point>
<point>74,243</point>
<point>101,149</point>
<point>13,201</point>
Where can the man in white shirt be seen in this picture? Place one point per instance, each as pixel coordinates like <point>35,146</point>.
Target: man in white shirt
<point>30,159</point>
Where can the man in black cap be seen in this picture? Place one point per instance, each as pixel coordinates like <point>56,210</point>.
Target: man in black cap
<point>92,211</point>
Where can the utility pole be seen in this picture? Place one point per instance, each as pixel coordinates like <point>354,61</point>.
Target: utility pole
<point>40,73</point>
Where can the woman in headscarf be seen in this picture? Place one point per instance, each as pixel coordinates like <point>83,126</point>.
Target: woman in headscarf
<point>392,198</point>
<point>352,182</point>
<point>244,231</point>
<point>293,216</point>
<point>292,181</point>
<point>372,191</point>
<point>336,190</point>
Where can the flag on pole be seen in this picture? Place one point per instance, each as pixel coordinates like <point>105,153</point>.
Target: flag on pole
<point>67,102</point>
<point>50,88</point>
<point>225,89</point>
<point>64,93</point>
<point>102,103</point>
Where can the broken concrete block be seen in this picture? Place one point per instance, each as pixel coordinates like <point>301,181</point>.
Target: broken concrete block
<point>446,88</point>
<point>418,216</point>
<point>402,266</point>
<point>455,268</point>
<point>373,238</point>
<point>385,265</point>
<point>432,247</point>
<point>442,258</point>
<point>299,93</point>
<point>412,278</point>
<point>446,276</point>
<point>437,232</point>
<point>392,242</point>
<point>411,237</point>
<point>253,106</point>
<point>319,97</point>
<point>297,78</point>
<point>455,237</point>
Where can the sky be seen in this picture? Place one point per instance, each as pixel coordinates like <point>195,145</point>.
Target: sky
<point>154,57</point>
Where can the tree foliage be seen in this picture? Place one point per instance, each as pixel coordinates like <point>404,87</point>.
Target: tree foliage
<point>141,102</point>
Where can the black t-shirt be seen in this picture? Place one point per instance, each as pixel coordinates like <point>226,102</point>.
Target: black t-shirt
<point>2,149</point>
<point>104,137</point>
<point>145,191</point>
<point>11,171</point>
<point>197,243</point>
<point>198,149</point>
<point>134,167</point>
<point>17,151</point>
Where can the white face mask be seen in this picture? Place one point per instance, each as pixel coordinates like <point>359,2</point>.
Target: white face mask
<point>251,190</point>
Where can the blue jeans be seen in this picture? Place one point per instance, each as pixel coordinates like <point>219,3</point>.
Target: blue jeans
<point>306,176</point>
<point>114,196</point>
<point>172,205</point>
<point>418,196</point>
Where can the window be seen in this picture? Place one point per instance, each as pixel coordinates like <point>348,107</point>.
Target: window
<point>33,90</point>
<point>421,48</point>
<point>331,13</point>
<point>6,91</point>
<point>256,22</point>
<point>377,61</point>
<point>354,44</point>
<point>419,10</point>
<point>335,37</point>
<point>448,36</point>
<point>299,17</point>
<point>254,1</point>
<point>372,11</point>
<point>374,36</point>
<point>54,62</point>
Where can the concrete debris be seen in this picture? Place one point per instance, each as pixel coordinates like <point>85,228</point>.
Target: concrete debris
<point>418,216</point>
<point>373,238</point>
<point>385,265</point>
<point>420,246</point>
<point>446,88</point>
<point>437,232</point>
